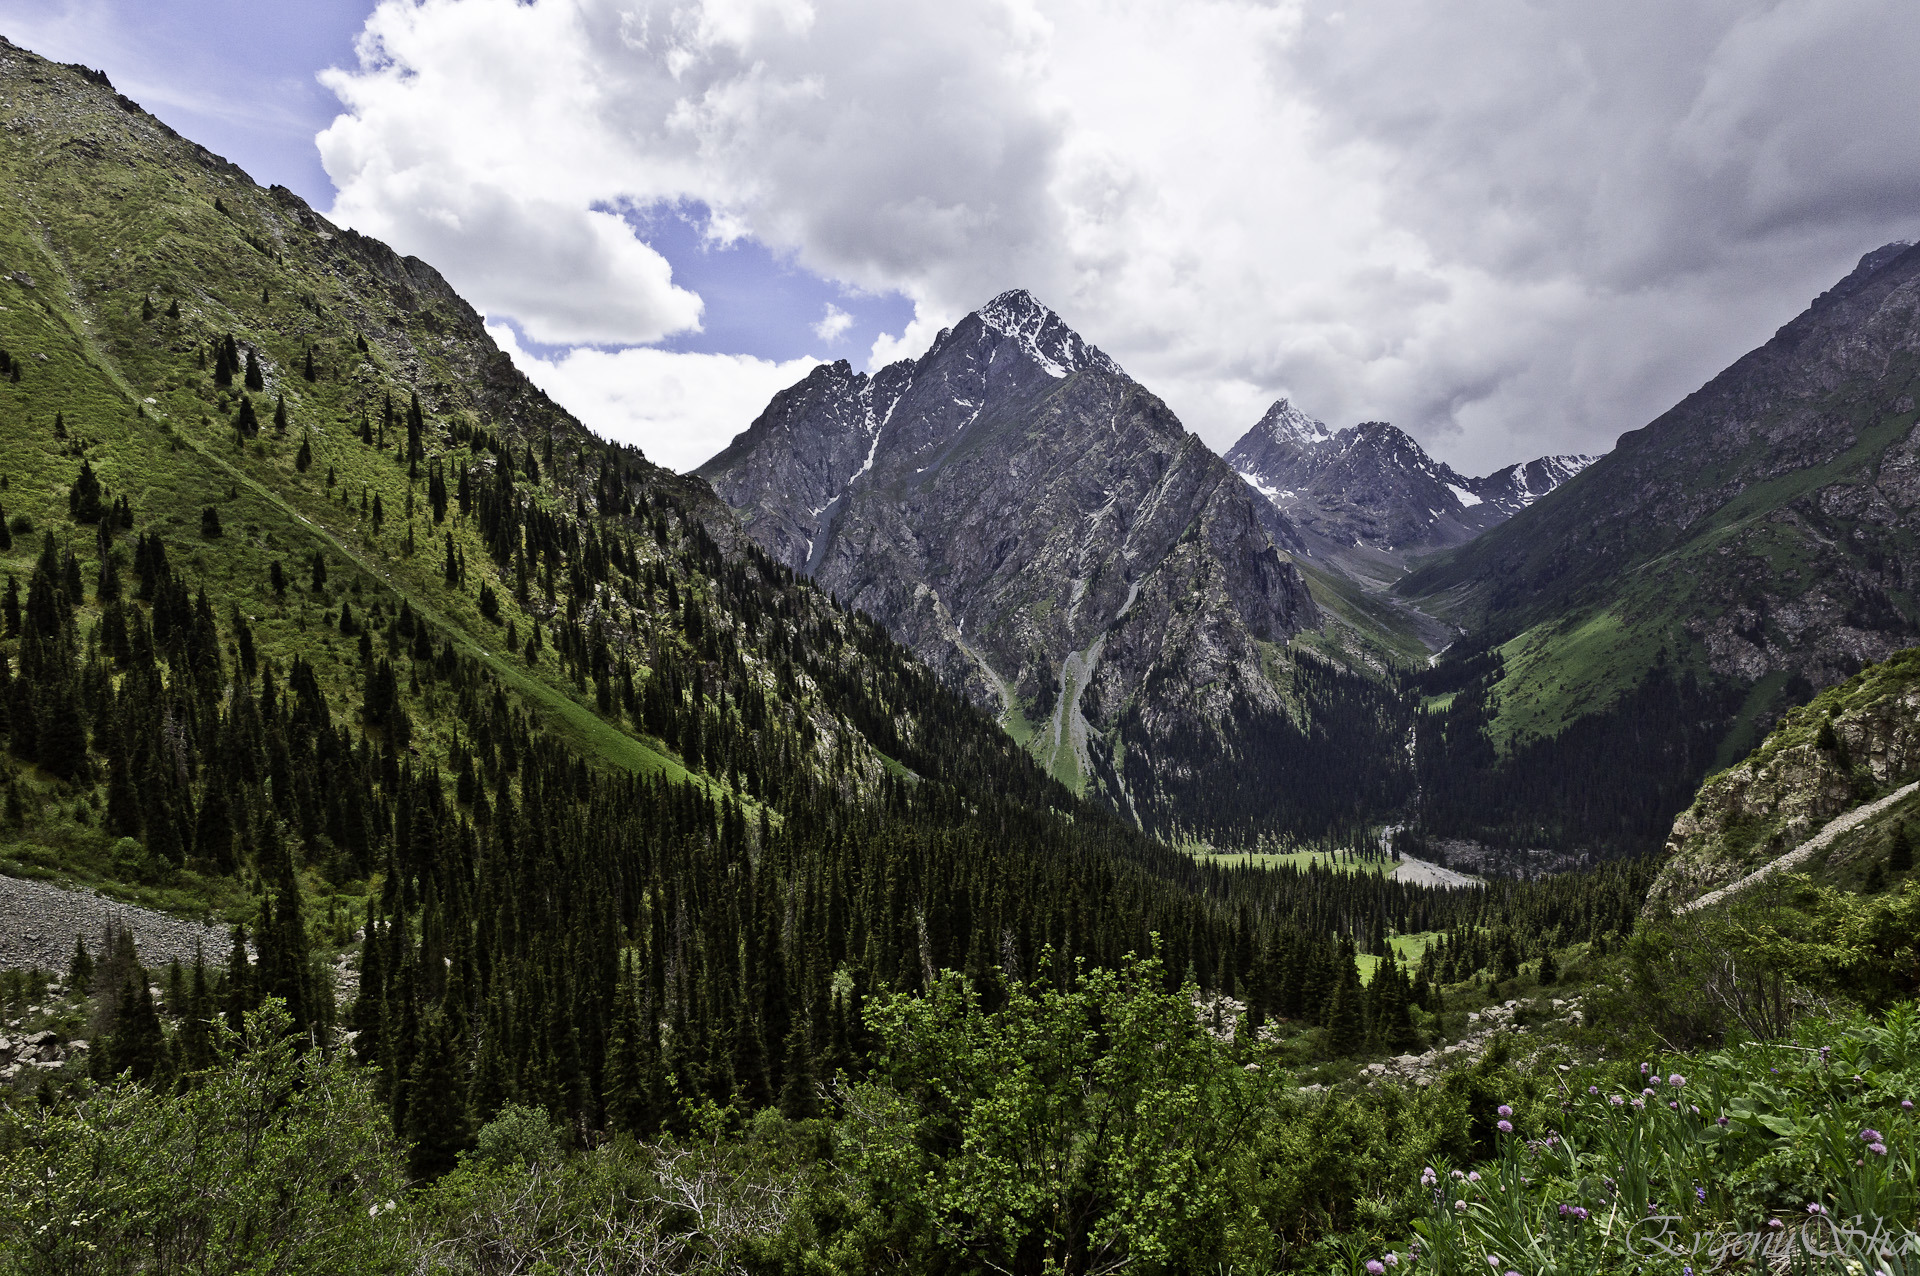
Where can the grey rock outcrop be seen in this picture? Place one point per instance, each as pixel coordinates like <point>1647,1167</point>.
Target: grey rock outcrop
<point>1038,527</point>
<point>39,922</point>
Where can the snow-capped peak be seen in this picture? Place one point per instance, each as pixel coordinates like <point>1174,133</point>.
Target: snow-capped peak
<point>1285,423</point>
<point>1042,335</point>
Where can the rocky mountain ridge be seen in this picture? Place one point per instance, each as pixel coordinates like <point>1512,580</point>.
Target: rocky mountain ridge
<point>1762,530</point>
<point>1368,499</point>
<point>1040,528</point>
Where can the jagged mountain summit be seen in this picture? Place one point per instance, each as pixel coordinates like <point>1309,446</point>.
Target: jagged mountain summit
<point>1367,498</point>
<point>1041,529</point>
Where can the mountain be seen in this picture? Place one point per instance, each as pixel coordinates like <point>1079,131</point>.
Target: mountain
<point>1852,752</point>
<point>1368,499</point>
<point>317,617</point>
<point>1042,530</point>
<point>1647,622</point>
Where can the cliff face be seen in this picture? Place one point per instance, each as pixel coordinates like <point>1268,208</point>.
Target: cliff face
<point>1852,744</point>
<point>1036,525</point>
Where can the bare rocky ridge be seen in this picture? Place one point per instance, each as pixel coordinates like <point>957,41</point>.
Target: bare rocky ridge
<point>1368,498</point>
<point>1776,506</point>
<point>1034,524</point>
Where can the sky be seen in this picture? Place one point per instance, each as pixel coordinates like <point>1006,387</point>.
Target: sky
<point>1511,227</point>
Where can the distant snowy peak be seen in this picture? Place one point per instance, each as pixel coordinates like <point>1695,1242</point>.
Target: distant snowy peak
<point>1285,423</point>
<point>1042,335</point>
<point>1372,486</point>
<point>1518,486</point>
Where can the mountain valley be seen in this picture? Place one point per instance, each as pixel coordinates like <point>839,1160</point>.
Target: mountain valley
<point>961,827</point>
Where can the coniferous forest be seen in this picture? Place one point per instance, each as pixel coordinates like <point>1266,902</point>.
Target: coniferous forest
<point>579,889</point>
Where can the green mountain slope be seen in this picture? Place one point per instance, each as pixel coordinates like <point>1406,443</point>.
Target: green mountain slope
<point>1753,544</point>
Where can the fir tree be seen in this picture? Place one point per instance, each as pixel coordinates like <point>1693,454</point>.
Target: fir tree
<point>246,423</point>
<point>139,1044</point>
<point>254,380</point>
<point>436,1113</point>
<point>1346,1030</point>
<point>1900,849</point>
<point>80,969</point>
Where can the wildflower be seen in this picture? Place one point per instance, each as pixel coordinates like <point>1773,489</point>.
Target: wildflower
<point>1674,1104</point>
<point>1593,1089</point>
<point>1878,1149</point>
<point>1616,1100</point>
<point>1459,1205</point>
<point>1565,1210</point>
<point>1676,1080</point>
<point>1376,1268</point>
<point>1428,1177</point>
<point>1504,1110</point>
<point>1722,1119</point>
<point>1695,1108</point>
<point>1473,1177</point>
<point>1505,1127</point>
<point>1906,1105</point>
<point>1390,1258</point>
<point>1774,1224</point>
<point>1699,1193</point>
<point>1869,1135</point>
<point>1580,1213</point>
<point>1639,1103</point>
<point>1645,1068</point>
<point>1816,1208</point>
<point>1647,1093</point>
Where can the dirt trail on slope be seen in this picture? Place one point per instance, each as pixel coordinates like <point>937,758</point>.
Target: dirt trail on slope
<point>1806,850</point>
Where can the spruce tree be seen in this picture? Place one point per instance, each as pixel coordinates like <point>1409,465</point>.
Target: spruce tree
<point>1900,849</point>
<point>80,969</point>
<point>1346,1030</point>
<point>436,1114</point>
<point>254,380</point>
<point>139,1044</point>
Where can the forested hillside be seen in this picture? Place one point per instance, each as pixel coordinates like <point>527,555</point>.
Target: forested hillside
<point>320,619</point>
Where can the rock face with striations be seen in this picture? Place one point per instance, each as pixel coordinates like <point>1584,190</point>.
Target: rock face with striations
<point>1370,493</point>
<point>1037,526</point>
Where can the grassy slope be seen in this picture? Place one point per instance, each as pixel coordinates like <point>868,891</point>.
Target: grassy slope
<point>106,213</point>
<point>1586,641</point>
<point>163,239</point>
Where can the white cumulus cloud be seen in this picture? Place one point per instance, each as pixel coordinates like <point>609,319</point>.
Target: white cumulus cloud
<point>833,324</point>
<point>1511,227</point>
<point>679,409</point>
